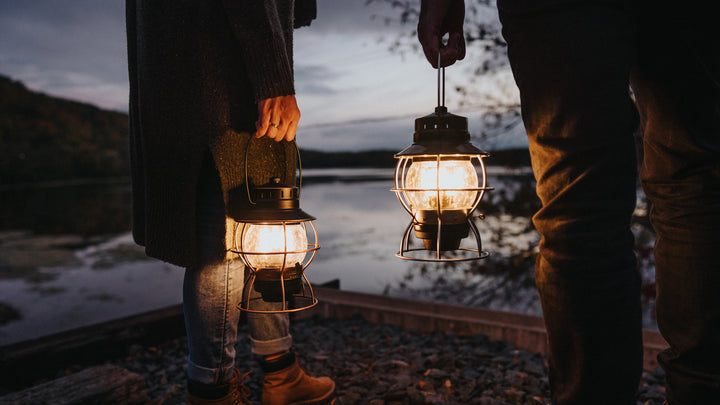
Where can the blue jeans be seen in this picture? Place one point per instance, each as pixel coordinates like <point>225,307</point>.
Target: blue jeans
<point>574,63</point>
<point>212,292</point>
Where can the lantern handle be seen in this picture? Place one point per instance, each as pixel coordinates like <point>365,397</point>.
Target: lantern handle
<point>247,180</point>
<point>441,84</point>
<point>299,165</point>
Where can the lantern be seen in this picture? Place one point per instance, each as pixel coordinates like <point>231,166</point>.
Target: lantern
<point>276,241</point>
<point>440,179</point>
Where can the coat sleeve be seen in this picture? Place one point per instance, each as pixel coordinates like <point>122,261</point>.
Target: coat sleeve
<point>262,31</point>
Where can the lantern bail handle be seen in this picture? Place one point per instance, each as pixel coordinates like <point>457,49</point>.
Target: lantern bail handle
<point>441,83</point>
<point>247,180</point>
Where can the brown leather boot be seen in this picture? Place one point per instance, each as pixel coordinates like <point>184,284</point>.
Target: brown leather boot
<point>233,392</point>
<point>285,383</point>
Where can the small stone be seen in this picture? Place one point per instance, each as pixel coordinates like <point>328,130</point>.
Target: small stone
<point>400,363</point>
<point>435,373</point>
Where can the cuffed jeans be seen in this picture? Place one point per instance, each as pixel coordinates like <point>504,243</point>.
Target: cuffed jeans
<point>574,62</point>
<point>212,292</point>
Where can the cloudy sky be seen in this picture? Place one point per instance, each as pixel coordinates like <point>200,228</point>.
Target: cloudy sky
<point>352,91</point>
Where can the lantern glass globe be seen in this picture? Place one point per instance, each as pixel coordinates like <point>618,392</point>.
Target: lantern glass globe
<point>449,176</point>
<point>274,242</point>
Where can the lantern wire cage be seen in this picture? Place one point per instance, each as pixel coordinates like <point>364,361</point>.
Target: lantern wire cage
<point>277,206</point>
<point>301,300</point>
<point>431,146</point>
<point>401,189</point>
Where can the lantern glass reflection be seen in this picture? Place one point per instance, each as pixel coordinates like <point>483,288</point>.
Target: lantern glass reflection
<point>456,180</point>
<point>273,241</point>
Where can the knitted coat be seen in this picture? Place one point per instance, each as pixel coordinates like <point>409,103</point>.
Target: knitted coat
<point>196,71</point>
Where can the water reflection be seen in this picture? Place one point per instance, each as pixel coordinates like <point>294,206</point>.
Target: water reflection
<point>83,209</point>
<point>67,259</point>
<point>501,281</point>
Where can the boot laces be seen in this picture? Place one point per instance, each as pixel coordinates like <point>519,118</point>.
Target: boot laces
<point>240,393</point>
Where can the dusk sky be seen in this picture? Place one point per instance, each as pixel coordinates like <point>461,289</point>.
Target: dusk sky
<point>344,70</point>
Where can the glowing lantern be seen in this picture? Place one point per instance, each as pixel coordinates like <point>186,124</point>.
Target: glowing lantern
<point>276,244</point>
<point>440,180</point>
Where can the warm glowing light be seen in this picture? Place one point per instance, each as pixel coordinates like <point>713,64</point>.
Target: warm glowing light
<point>454,174</point>
<point>272,240</point>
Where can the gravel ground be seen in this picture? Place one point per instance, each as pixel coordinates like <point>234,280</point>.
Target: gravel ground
<point>381,364</point>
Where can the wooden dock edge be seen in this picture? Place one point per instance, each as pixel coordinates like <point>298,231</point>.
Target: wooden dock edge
<point>104,384</point>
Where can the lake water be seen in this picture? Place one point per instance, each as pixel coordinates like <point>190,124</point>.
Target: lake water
<point>67,258</point>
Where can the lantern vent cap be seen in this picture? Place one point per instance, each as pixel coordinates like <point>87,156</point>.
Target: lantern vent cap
<point>274,190</point>
<point>275,201</point>
<point>441,133</point>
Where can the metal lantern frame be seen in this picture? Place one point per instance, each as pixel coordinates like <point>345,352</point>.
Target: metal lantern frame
<point>277,204</point>
<point>441,137</point>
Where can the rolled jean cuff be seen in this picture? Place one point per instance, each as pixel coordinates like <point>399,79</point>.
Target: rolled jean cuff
<point>205,375</point>
<point>269,347</point>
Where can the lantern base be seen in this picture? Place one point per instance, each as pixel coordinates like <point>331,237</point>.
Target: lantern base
<point>275,284</point>
<point>447,217</point>
<point>450,235</point>
<point>449,249</point>
<point>272,291</point>
<point>424,255</point>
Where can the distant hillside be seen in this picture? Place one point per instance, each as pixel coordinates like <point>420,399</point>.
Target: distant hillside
<point>44,138</point>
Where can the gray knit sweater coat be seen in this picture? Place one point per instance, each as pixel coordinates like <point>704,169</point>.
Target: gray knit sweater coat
<point>196,70</point>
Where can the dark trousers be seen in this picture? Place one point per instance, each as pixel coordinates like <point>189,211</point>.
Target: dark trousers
<point>574,63</point>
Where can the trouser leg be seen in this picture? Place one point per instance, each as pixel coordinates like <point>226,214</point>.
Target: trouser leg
<point>210,296</point>
<point>269,333</point>
<point>571,66</point>
<point>677,83</point>
<point>212,291</point>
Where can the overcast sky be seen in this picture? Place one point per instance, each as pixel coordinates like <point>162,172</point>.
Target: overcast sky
<point>344,71</point>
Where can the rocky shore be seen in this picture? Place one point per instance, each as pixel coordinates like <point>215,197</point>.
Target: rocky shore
<point>382,364</point>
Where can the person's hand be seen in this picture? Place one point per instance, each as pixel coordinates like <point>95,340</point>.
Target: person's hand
<point>278,118</point>
<point>437,18</point>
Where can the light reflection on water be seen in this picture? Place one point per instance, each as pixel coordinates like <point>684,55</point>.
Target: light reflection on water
<point>359,221</point>
<point>360,225</point>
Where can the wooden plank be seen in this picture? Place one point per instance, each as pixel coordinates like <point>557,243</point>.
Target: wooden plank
<point>108,385</point>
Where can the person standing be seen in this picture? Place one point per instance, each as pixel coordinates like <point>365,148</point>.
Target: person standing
<point>575,64</point>
<point>210,79</point>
